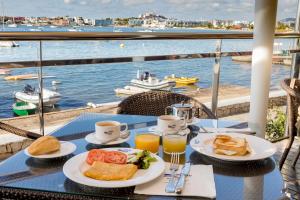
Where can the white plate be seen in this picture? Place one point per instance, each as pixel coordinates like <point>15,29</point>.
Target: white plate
<point>74,168</point>
<point>90,138</point>
<point>66,148</point>
<point>260,148</point>
<point>157,132</point>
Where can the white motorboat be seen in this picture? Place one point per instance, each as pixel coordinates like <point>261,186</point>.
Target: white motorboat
<point>35,30</point>
<point>5,71</point>
<point>8,44</point>
<point>130,90</point>
<point>29,95</point>
<point>12,25</point>
<point>151,82</point>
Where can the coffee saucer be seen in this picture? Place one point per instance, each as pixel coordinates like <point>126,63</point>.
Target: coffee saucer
<point>158,132</point>
<point>90,138</point>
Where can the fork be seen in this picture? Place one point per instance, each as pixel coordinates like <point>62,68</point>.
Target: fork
<point>174,166</point>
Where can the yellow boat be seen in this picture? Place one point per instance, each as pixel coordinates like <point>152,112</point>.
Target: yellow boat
<point>20,77</point>
<point>182,80</point>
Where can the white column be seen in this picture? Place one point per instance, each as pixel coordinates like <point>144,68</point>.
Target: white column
<point>264,27</point>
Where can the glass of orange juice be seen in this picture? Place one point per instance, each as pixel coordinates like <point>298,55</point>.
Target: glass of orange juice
<point>147,141</point>
<point>174,142</point>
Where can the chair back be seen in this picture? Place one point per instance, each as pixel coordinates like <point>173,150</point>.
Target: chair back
<point>293,103</point>
<point>155,102</point>
<point>19,132</point>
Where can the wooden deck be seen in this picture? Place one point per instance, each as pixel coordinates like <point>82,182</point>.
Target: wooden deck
<point>290,175</point>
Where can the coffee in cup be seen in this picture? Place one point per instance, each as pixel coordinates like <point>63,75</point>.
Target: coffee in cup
<point>109,130</point>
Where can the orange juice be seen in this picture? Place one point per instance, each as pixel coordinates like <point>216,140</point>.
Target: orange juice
<point>147,141</point>
<point>174,143</point>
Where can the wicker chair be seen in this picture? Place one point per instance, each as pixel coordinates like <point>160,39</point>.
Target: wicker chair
<point>293,102</point>
<point>155,102</point>
<point>17,131</point>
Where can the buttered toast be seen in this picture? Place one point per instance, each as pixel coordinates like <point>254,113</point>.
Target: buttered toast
<point>227,145</point>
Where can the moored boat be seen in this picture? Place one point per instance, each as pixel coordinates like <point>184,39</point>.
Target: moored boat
<point>29,95</point>
<point>5,71</point>
<point>182,80</point>
<point>25,77</point>
<point>130,90</point>
<point>151,82</point>
<point>8,44</point>
<point>24,108</point>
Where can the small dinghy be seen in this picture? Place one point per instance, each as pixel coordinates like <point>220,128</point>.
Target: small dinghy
<point>151,82</point>
<point>24,108</point>
<point>50,98</point>
<point>130,90</point>
<point>182,80</point>
<point>4,71</point>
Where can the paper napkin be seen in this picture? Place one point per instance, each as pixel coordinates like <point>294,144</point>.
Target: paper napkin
<point>200,183</point>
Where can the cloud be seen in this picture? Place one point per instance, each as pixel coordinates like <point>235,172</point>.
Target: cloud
<point>105,1</point>
<point>136,2</point>
<point>68,1</point>
<point>82,2</point>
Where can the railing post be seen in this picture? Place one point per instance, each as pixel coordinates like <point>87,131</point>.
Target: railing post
<point>296,56</point>
<point>41,106</point>
<point>216,78</point>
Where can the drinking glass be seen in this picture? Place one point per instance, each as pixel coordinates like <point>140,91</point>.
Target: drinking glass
<point>147,141</point>
<point>174,142</point>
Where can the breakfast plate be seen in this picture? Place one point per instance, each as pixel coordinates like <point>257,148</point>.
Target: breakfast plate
<point>90,138</point>
<point>158,132</point>
<point>66,148</point>
<point>260,148</point>
<point>75,167</point>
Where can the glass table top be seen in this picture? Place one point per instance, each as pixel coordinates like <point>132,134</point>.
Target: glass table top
<point>248,180</point>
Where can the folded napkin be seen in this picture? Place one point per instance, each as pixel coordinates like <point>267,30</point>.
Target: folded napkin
<point>227,130</point>
<point>200,183</point>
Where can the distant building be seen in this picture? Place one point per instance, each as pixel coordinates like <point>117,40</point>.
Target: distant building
<point>60,21</point>
<point>135,22</point>
<point>88,21</point>
<point>79,21</point>
<point>288,21</point>
<point>102,22</point>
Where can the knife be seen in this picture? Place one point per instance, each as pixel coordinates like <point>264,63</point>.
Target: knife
<point>184,173</point>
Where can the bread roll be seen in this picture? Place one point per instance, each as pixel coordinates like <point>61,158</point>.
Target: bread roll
<point>44,145</point>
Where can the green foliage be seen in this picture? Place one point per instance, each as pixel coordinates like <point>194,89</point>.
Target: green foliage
<point>275,127</point>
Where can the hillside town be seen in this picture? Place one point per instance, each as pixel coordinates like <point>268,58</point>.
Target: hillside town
<point>146,20</point>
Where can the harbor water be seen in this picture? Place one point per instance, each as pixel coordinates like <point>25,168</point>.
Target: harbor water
<point>95,83</point>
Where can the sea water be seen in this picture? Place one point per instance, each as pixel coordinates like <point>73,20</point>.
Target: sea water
<point>95,83</point>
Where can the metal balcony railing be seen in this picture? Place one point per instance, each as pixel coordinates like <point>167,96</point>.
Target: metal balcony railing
<point>62,36</point>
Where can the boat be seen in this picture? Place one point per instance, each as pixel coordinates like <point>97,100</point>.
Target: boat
<point>25,77</point>
<point>55,82</point>
<point>8,44</point>
<point>130,90</point>
<point>29,95</point>
<point>151,82</point>
<point>12,25</point>
<point>182,80</point>
<point>145,31</point>
<point>35,30</point>
<point>52,26</point>
<point>24,108</point>
<point>5,71</point>
<point>74,30</point>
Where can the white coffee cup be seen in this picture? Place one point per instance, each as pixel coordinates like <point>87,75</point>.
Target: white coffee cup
<point>169,123</point>
<point>109,130</point>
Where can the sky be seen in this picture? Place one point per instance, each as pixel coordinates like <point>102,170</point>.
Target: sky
<point>180,9</point>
